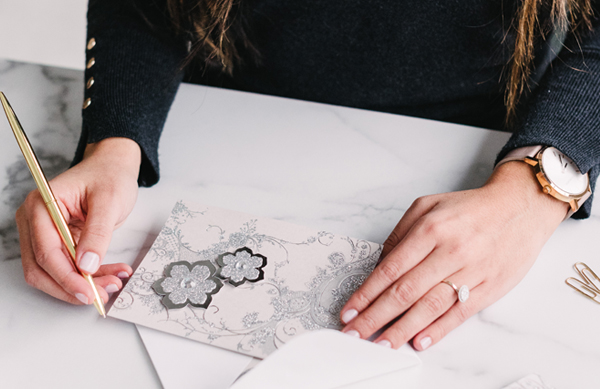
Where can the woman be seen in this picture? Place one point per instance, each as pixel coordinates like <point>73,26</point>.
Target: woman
<point>477,62</point>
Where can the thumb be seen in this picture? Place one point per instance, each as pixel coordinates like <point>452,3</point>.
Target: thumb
<point>102,217</point>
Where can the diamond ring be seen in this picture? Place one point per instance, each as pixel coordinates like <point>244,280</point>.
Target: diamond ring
<point>462,292</point>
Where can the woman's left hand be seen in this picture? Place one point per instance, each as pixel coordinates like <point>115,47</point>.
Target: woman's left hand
<point>485,238</point>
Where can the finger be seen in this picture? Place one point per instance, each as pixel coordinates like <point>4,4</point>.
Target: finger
<point>417,245</point>
<point>110,284</point>
<point>100,223</point>
<point>35,276</point>
<point>455,316</point>
<point>49,253</point>
<point>120,270</point>
<point>402,294</point>
<point>418,208</point>
<point>430,307</point>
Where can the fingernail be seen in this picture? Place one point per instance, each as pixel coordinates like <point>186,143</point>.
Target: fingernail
<point>425,342</point>
<point>82,297</point>
<point>123,274</point>
<point>349,315</point>
<point>353,333</point>
<point>111,288</point>
<point>385,343</point>
<point>89,262</point>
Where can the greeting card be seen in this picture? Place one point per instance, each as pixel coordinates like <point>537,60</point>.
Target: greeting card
<point>243,283</point>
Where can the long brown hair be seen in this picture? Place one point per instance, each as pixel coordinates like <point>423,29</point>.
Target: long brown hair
<point>219,31</point>
<point>564,15</point>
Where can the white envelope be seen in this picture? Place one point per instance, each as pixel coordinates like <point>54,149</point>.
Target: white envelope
<point>326,359</point>
<point>185,364</point>
<point>318,359</point>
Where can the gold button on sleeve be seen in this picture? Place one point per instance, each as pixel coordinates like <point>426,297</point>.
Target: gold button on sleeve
<point>87,103</point>
<point>91,63</point>
<point>89,83</point>
<point>91,44</point>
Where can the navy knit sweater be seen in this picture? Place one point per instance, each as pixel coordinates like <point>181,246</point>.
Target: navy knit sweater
<point>437,59</point>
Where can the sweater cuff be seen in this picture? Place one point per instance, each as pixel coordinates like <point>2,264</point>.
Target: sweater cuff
<point>132,75</point>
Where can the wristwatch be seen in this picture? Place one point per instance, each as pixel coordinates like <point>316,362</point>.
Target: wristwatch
<point>557,174</point>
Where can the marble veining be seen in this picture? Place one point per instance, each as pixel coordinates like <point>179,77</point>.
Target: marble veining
<point>351,172</point>
<point>52,126</point>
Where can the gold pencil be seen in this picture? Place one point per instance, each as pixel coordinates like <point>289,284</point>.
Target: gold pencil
<point>48,196</point>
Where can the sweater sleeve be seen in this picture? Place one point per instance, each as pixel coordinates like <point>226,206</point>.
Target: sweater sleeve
<point>131,78</point>
<point>564,111</point>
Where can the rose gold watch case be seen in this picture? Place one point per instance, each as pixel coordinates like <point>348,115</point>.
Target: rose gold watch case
<point>552,189</point>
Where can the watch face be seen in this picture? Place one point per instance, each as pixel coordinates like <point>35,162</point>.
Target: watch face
<point>562,172</point>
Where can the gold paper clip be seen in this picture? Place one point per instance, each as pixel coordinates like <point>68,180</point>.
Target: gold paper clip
<point>590,286</point>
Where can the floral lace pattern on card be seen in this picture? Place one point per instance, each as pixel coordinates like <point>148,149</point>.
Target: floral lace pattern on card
<point>308,279</point>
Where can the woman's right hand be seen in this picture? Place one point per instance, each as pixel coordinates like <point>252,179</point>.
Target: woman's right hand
<point>95,196</point>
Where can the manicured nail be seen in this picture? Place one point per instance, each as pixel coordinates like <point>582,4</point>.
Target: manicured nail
<point>385,343</point>
<point>89,262</point>
<point>425,342</point>
<point>111,288</point>
<point>353,333</point>
<point>349,315</point>
<point>123,274</point>
<point>82,297</point>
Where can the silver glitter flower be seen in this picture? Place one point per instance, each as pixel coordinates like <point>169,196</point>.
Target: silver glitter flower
<point>188,283</point>
<point>241,266</point>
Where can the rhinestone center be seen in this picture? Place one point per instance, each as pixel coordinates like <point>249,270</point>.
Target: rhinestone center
<point>188,283</point>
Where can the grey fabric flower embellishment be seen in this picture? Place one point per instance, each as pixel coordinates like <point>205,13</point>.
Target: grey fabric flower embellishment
<point>241,266</point>
<point>188,283</point>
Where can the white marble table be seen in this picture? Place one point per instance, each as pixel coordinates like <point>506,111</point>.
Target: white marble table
<point>349,171</point>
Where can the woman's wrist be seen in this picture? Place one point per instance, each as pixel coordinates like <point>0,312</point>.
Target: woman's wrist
<point>517,180</point>
<point>122,152</point>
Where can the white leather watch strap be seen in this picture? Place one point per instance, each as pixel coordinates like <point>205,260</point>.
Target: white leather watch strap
<point>520,154</point>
